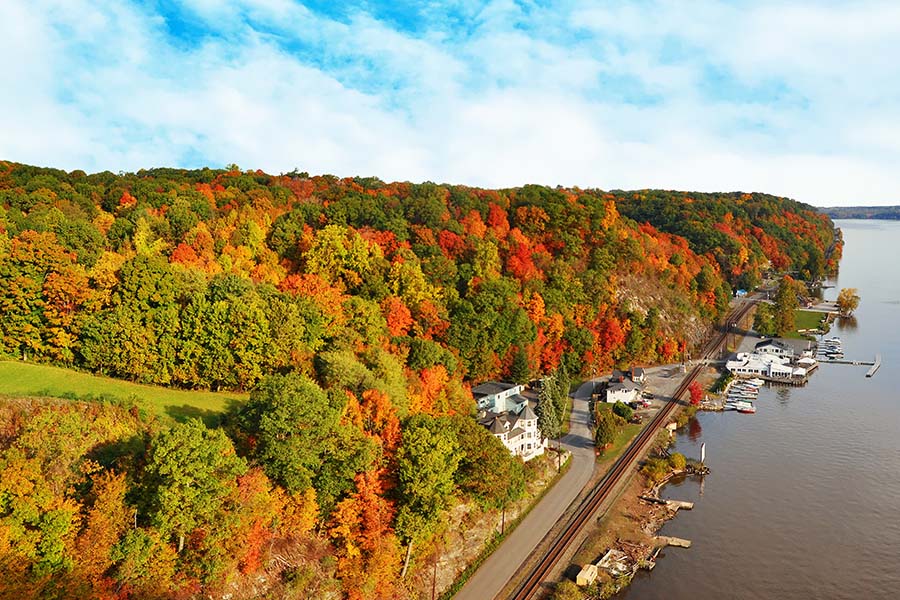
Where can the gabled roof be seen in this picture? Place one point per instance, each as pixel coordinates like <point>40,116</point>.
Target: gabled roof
<point>516,433</point>
<point>637,371</point>
<point>527,413</point>
<point>497,426</point>
<point>489,388</point>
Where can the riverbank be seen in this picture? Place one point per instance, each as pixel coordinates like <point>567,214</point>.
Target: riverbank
<point>629,526</point>
<point>808,470</point>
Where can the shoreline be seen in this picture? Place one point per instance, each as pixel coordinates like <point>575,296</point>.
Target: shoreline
<point>632,523</point>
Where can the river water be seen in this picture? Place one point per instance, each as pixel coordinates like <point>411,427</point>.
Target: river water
<point>804,497</point>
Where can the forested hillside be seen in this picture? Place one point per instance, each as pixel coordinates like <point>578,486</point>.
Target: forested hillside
<point>358,314</point>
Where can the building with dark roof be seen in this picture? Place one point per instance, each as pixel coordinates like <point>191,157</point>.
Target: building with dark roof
<point>518,432</point>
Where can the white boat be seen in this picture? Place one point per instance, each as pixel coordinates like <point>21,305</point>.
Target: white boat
<point>755,381</point>
<point>744,407</point>
<point>745,388</point>
<point>744,391</point>
<point>748,388</point>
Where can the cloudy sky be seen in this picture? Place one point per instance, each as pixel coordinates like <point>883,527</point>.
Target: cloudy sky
<point>792,98</point>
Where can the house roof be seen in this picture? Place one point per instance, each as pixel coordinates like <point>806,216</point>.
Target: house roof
<point>489,388</point>
<point>627,385</point>
<point>776,343</point>
<point>518,399</point>
<point>497,426</point>
<point>516,433</point>
<point>527,413</point>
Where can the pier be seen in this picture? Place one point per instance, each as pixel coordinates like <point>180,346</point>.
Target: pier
<point>799,380</point>
<point>875,366</point>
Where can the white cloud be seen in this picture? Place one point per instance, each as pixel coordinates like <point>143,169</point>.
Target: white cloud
<point>580,96</point>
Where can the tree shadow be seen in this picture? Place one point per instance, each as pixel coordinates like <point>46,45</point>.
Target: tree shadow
<point>186,412</point>
<point>210,418</point>
<point>110,454</point>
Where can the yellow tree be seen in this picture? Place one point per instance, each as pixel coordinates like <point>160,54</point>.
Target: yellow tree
<point>847,301</point>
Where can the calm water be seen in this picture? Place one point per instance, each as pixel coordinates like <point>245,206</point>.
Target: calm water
<point>804,497</point>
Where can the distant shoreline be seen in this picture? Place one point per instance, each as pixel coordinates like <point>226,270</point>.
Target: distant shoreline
<point>877,213</point>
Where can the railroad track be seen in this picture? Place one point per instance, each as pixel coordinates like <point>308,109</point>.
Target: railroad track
<point>622,466</point>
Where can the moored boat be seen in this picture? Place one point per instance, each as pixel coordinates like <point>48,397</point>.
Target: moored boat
<point>742,406</point>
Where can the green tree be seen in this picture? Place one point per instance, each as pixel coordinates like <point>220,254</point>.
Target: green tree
<point>607,427</point>
<point>291,420</point>
<point>623,410</point>
<point>549,412</point>
<point>677,461</point>
<point>427,461</point>
<point>764,319</point>
<point>520,370</point>
<point>190,471</point>
<point>487,472</point>
<point>785,304</point>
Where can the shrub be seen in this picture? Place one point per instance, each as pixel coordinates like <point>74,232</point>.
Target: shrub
<point>623,410</point>
<point>655,469</point>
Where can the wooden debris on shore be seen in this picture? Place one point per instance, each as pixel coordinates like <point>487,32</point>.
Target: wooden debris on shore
<point>665,540</point>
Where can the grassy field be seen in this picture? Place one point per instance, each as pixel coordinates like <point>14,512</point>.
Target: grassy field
<point>24,379</point>
<point>805,319</point>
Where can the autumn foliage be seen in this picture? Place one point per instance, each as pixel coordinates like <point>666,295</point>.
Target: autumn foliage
<point>358,313</point>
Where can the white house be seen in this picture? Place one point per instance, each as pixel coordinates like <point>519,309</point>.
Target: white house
<point>499,397</point>
<point>774,347</point>
<point>518,432</point>
<point>638,375</point>
<point>623,391</point>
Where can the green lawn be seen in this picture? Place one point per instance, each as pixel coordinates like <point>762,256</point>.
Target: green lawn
<point>622,440</point>
<point>805,319</point>
<point>24,379</point>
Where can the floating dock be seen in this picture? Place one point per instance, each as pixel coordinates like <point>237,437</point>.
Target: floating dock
<point>875,366</point>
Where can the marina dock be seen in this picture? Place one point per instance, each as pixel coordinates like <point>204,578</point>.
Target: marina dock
<point>875,366</point>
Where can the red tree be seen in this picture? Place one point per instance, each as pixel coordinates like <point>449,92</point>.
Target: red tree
<point>696,393</point>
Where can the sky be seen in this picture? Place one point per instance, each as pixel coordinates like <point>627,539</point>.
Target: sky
<point>800,99</point>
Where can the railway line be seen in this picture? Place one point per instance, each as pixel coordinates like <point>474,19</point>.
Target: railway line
<point>623,465</point>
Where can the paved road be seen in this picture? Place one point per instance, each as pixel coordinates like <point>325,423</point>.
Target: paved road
<point>497,570</point>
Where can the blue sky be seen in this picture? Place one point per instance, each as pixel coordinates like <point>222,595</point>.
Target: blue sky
<point>799,99</point>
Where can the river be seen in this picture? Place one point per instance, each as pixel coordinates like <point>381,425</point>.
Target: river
<point>803,501</point>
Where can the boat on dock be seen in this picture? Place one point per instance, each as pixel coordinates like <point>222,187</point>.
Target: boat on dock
<point>743,406</point>
<point>743,392</point>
